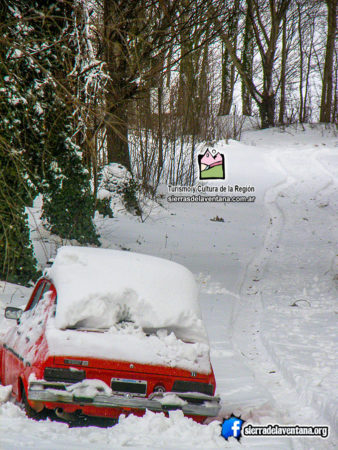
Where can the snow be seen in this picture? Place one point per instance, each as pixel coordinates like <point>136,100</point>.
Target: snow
<point>273,362</point>
<point>98,288</point>
<point>89,388</point>
<point>5,393</point>
<point>31,326</point>
<point>147,306</point>
<point>111,171</point>
<point>129,343</point>
<point>113,179</point>
<point>11,295</point>
<point>171,399</point>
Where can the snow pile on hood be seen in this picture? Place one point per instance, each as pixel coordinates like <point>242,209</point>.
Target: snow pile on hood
<point>98,288</point>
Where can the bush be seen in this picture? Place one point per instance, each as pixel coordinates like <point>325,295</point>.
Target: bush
<point>116,181</point>
<point>129,192</point>
<point>103,207</point>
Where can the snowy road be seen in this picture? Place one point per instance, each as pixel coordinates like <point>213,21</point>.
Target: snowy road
<point>267,279</point>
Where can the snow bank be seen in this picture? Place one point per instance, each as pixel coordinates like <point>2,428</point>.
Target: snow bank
<point>153,430</point>
<point>98,288</point>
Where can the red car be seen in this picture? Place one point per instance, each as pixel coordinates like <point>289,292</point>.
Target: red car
<point>94,340</point>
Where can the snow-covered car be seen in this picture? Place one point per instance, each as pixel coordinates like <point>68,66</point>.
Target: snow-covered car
<point>107,332</point>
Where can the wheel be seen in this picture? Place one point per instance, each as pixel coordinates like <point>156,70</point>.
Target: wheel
<point>30,412</point>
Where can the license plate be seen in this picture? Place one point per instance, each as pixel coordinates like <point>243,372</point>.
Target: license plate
<point>129,386</point>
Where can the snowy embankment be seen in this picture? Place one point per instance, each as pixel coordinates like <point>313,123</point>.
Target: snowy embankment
<point>267,279</point>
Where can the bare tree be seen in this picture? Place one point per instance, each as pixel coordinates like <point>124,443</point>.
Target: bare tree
<point>138,36</point>
<point>266,22</point>
<point>228,68</point>
<point>283,74</point>
<point>247,59</point>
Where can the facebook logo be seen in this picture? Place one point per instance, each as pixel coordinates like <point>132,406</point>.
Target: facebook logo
<point>232,427</point>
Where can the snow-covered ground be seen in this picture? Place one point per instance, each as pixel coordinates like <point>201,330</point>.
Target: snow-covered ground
<point>268,293</point>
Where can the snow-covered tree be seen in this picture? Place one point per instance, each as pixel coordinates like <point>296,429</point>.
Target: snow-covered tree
<point>18,146</point>
<point>68,202</point>
<point>38,150</point>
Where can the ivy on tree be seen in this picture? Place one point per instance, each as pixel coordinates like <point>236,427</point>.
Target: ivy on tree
<point>17,145</point>
<point>68,203</point>
<point>37,153</point>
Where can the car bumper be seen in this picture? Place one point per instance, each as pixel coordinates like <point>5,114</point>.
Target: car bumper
<point>56,392</point>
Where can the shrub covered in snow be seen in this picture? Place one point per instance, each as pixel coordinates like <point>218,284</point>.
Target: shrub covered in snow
<point>117,184</point>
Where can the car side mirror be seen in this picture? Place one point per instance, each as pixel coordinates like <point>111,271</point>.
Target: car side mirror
<point>13,313</point>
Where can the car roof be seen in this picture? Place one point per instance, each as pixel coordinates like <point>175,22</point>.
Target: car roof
<point>103,286</point>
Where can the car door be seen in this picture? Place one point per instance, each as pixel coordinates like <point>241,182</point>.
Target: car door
<point>21,338</point>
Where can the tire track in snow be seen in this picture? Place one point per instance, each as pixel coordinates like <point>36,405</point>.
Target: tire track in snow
<point>250,309</point>
<point>309,397</point>
<point>247,310</point>
<point>331,185</point>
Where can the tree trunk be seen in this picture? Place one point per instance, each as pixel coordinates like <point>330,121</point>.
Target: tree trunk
<point>160,160</point>
<point>326,101</point>
<point>283,75</point>
<point>267,110</point>
<point>306,114</point>
<point>227,85</point>
<point>247,58</point>
<point>268,102</point>
<point>116,97</point>
<point>228,68</point>
<point>117,135</point>
<point>335,100</point>
<point>301,66</point>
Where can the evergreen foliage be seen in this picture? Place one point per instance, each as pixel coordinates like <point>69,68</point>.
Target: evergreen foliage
<point>37,127</point>
<point>17,263</point>
<point>68,203</point>
<point>129,195</point>
<point>104,208</point>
